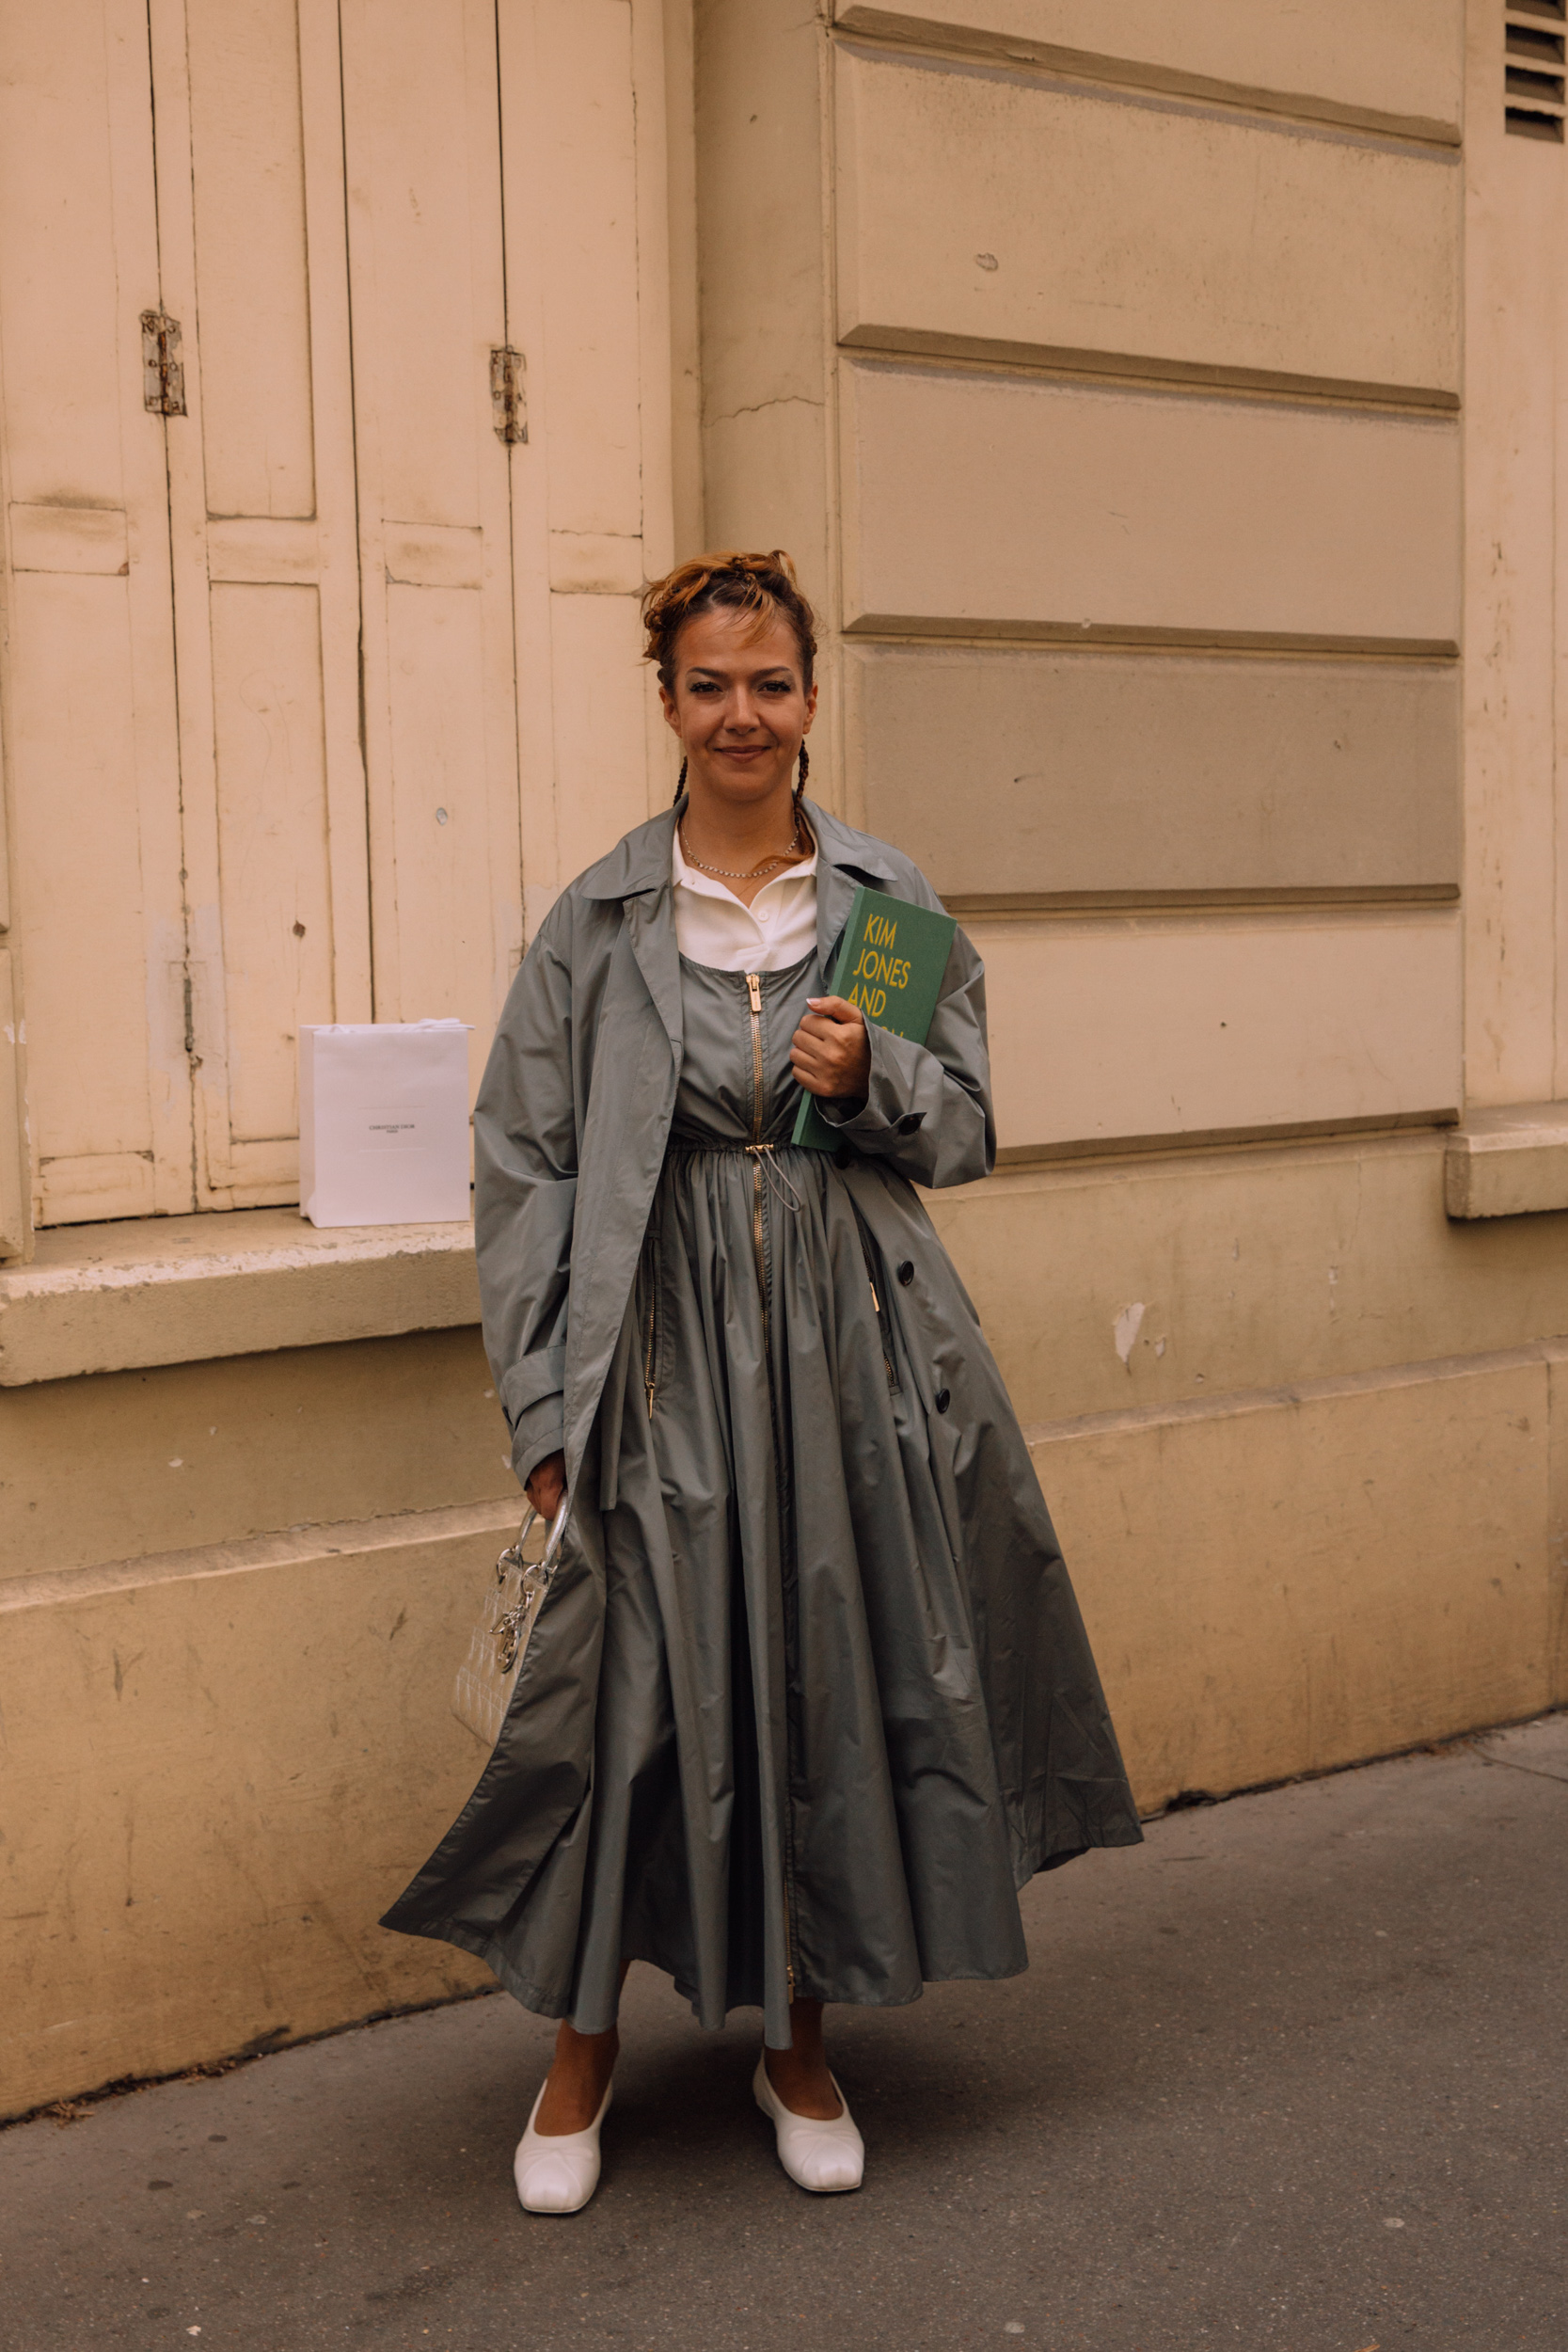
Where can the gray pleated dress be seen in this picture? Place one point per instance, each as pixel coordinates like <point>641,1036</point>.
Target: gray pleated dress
<point>820,1679</point>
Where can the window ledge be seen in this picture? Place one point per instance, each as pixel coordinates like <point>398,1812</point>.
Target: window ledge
<point>1508,1162</point>
<point>175,1290</point>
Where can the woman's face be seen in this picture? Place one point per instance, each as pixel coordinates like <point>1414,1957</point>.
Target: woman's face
<point>739,705</point>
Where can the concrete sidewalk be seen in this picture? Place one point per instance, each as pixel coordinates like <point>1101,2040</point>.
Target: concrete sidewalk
<point>1289,2077</point>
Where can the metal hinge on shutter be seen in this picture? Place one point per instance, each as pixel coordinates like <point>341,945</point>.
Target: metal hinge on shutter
<point>1533,67</point>
<point>163,372</point>
<point>506,394</point>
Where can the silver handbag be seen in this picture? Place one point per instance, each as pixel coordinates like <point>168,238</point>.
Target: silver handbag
<point>488,1675</point>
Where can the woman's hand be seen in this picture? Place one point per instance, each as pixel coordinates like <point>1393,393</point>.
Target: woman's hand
<point>830,1053</point>
<point>546,1483</point>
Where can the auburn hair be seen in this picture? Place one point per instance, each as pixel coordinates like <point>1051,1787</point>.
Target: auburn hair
<point>761,585</point>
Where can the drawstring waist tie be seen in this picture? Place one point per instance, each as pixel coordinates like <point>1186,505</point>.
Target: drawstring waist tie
<point>763,1154</point>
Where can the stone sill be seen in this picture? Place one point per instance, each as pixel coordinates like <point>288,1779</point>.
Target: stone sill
<point>1508,1162</point>
<point>176,1290</point>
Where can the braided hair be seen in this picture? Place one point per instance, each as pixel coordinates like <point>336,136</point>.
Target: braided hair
<point>761,585</point>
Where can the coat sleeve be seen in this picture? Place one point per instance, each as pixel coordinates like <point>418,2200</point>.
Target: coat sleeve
<point>525,1195</point>
<point>928,1110</point>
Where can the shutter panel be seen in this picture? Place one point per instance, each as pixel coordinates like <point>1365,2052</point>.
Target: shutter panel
<point>267,585</point>
<point>428,299</point>
<point>586,201</point>
<point>90,728</point>
<point>347,555</point>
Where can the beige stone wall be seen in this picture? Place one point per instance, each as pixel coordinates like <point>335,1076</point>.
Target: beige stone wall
<point>1163,412</point>
<point>222,1766</point>
<point>1303,1441</point>
<point>1171,480</point>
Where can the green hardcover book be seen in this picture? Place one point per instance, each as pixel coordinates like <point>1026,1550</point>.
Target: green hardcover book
<point>892,965</point>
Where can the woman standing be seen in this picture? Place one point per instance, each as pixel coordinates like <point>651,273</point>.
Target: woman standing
<point>809,1699</point>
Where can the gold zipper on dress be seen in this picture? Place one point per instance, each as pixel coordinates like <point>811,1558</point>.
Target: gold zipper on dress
<point>650,1337</point>
<point>754,998</point>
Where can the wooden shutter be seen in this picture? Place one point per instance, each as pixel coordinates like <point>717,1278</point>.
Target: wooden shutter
<point>265,563</point>
<point>89,679</point>
<point>328,530</point>
<point>422,133</point>
<point>586,221</point>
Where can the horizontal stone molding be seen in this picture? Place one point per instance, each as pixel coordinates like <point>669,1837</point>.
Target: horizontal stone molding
<point>1048,777</point>
<point>177,1290</point>
<point>1051,218</point>
<point>226,1447</point>
<point>1189,1141</point>
<point>294,1547</point>
<point>966,629</point>
<point>875,339</point>
<point>1234,1404</point>
<point>979,503</point>
<point>1397,69</point>
<point>1108,1028</point>
<point>1510,1161</point>
<point>996,905</point>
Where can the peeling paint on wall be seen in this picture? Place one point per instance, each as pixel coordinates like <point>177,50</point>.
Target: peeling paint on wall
<point>1126,1328</point>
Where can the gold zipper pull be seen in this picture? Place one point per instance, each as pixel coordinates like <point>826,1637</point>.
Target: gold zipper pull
<point>875,1302</point>
<point>753,985</point>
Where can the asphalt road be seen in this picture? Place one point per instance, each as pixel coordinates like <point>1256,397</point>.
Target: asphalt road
<point>1290,2078</point>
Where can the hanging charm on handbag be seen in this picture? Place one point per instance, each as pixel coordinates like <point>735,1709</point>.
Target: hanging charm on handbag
<point>488,1675</point>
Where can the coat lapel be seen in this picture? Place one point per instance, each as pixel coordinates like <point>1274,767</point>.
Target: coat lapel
<point>630,1111</point>
<point>637,872</point>
<point>844,860</point>
<point>650,920</point>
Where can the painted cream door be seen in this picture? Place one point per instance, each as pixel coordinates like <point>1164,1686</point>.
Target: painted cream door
<point>427,290</point>
<point>265,566</point>
<point>587,215</point>
<point>341,535</point>
<point>90,748</point>
<point>264,720</point>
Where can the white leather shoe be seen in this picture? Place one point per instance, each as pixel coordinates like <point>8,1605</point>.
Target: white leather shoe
<point>820,2156</point>
<point>558,2172</point>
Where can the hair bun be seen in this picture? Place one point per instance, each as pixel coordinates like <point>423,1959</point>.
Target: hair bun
<point>764,585</point>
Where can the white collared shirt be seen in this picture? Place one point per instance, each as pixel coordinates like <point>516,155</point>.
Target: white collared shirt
<point>715,927</point>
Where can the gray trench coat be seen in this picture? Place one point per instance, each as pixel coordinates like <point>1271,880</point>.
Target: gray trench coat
<point>1013,1765</point>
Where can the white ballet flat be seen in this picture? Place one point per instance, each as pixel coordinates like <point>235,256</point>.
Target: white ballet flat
<point>824,2158</point>
<point>558,2172</point>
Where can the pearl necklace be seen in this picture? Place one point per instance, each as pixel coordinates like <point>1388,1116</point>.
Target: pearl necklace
<point>747,873</point>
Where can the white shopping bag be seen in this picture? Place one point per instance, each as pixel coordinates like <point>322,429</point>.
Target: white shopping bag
<point>384,1122</point>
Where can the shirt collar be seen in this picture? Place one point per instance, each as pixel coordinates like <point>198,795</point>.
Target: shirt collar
<point>688,877</point>
<point>642,860</point>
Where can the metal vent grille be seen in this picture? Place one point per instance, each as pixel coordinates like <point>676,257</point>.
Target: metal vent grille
<point>1535,40</point>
